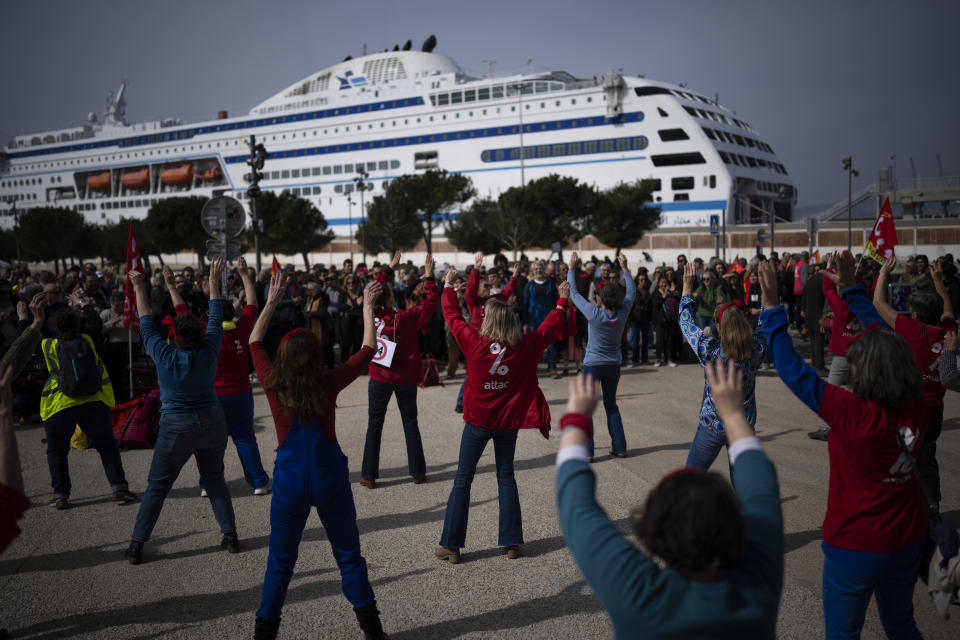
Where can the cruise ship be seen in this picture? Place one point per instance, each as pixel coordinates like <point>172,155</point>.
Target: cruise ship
<point>406,111</point>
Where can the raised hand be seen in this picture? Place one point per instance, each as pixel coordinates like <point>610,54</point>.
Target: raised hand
<point>168,278</point>
<point>689,278</point>
<point>242,267</point>
<point>845,267</point>
<point>428,266</point>
<point>516,269</point>
<point>38,305</point>
<point>936,271</point>
<point>23,312</point>
<point>136,278</point>
<point>726,385</point>
<point>584,395</point>
<point>768,284</point>
<point>451,277</point>
<point>622,259</point>
<point>278,286</point>
<point>574,259</point>
<point>370,296</point>
<point>396,260</point>
<point>831,258</point>
<point>477,260</point>
<point>889,266</point>
<point>564,289</point>
<point>216,269</point>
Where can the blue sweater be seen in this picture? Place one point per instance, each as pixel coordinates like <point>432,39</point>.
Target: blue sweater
<point>644,601</point>
<point>604,329</point>
<point>185,377</point>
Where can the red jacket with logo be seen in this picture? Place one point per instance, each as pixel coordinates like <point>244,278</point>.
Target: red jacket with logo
<point>926,343</point>
<point>846,328</point>
<point>475,302</point>
<point>232,372</point>
<point>502,391</point>
<point>402,327</point>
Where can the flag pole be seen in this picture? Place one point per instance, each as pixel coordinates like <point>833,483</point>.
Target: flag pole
<point>130,362</point>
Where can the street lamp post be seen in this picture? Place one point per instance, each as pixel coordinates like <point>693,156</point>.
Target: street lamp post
<point>350,224</point>
<point>362,175</point>
<point>848,167</point>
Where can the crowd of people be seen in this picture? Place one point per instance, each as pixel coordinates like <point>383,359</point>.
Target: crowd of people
<point>306,335</point>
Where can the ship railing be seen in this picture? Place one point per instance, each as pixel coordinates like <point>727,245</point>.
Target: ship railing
<point>919,184</point>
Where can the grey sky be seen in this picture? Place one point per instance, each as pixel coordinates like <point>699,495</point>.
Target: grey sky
<point>818,80</point>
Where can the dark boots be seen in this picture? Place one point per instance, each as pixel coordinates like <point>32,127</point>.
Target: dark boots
<point>266,629</point>
<point>369,619</point>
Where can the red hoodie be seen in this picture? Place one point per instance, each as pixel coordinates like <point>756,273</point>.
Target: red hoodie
<point>475,303</point>
<point>502,391</point>
<point>402,327</point>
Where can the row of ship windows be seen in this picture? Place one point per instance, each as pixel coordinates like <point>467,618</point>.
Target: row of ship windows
<point>753,163</point>
<point>273,138</point>
<point>610,145</point>
<point>336,169</point>
<point>26,182</point>
<point>706,114</point>
<point>732,138</point>
<point>703,113</point>
<point>494,92</point>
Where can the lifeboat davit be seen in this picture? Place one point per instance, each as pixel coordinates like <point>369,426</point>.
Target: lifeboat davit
<point>181,175</point>
<point>99,182</point>
<point>211,175</point>
<point>139,179</point>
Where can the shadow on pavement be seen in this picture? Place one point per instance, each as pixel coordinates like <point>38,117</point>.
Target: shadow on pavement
<point>797,539</point>
<point>191,608</point>
<point>433,476</point>
<point>409,519</point>
<point>571,600</point>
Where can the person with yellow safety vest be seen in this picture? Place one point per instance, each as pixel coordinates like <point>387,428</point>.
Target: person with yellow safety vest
<point>77,393</point>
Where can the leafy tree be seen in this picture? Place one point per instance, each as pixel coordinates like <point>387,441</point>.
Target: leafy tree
<point>621,215</point>
<point>430,197</point>
<point>173,224</point>
<point>113,240</point>
<point>8,245</point>
<point>291,224</point>
<point>388,227</point>
<point>470,231</point>
<point>50,233</point>
<point>561,204</point>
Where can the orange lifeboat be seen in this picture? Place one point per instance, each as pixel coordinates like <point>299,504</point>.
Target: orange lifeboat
<point>181,175</point>
<point>99,182</point>
<point>211,175</point>
<point>139,179</point>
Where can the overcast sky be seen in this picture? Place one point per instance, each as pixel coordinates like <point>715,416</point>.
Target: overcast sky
<point>818,80</point>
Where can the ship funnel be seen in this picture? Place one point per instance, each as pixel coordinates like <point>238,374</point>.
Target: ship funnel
<point>407,45</point>
<point>396,47</point>
<point>348,58</point>
<point>429,44</point>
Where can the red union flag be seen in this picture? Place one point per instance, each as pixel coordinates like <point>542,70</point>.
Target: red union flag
<point>275,266</point>
<point>883,237</point>
<point>130,318</point>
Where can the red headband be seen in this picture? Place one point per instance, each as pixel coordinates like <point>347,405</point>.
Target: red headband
<point>736,303</point>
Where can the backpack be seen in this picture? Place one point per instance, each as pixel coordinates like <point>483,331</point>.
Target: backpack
<point>79,373</point>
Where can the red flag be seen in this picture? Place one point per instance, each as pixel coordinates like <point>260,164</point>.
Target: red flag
<point>275,266</point>
<point>130,318</point>
<point>883,237</point>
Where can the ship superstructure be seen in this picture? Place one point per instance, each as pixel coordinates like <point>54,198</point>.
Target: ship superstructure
<point>400,112</point>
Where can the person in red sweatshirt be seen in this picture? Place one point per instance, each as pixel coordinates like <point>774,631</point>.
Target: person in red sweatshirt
<point>503,396</point>
<point>476,301</point>
<point>400,377</point>
<point>311,470</point>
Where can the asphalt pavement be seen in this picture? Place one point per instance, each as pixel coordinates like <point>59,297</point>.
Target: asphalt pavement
<point>64,576</point>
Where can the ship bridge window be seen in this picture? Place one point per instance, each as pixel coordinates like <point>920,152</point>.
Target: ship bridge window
<point>483,93</point>
<point>295,173</point>
<point>348,168</point>
<point>327,170</point>
<point>675,159</point>
<point>338,168</point>
<point>426,160</point>
<point>709,133</point>
<point>470,95</point>
<point>315,171</point>
<point>496,91</point>
<point>679,184</point>
<point>456,97</point>
<point>724,157</point>
<point>672,135</point>
<point>284,174</point>
<point>394,164</point>
<point>382,165</point>
<point>651,91</point>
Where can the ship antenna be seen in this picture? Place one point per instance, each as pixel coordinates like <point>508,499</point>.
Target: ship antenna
<point>364,48</point>
<point>529,65</point>
<point>489,64</point>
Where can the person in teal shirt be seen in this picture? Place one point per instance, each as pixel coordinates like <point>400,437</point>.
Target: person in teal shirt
<point>712,568</point>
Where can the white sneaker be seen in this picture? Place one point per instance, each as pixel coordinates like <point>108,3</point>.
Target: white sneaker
<point>672,363</point>
<point>262,491</point>
<point>203,493</point>
<point>658,364</point>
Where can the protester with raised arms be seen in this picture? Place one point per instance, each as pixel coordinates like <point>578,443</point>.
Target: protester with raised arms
<point>605,322</point>
<point>397,377</point>
<point>713,560</point>
<point>311,469</point>
<point>876,524</point>
<point>737,343</point>
<point>501,397</point>
<point>191,420</point>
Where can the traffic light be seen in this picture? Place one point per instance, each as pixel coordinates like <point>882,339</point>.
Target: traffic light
<point>253,191</point>
<point>258,153</point>
<point>847,162</point>
<point>253,177</point>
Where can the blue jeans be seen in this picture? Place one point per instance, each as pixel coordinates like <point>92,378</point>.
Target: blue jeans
<point>705,447</point>
<point>851,577</point>
<point>472,444</point>
<point>238,413</point>
<point>202,434</point>
<point>93,418</point>
<point>311,472</point>
<point>640,337</point>
<point>379,395</point>
<point>460,394</point>
<point>609,377</point>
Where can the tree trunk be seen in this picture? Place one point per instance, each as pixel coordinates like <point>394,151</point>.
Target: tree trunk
<point>160,258</point>
<point>429,233</point>
<point>56,266</point>
<point>306,262</point>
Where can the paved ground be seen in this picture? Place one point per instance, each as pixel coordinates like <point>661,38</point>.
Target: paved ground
<point>64,576</point>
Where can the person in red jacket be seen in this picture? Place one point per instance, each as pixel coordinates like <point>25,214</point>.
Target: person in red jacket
<point>875,525</point>
<point>400,378</point>
<point>311,470</point>
<point>502,397</point>
<point>476,301</point>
